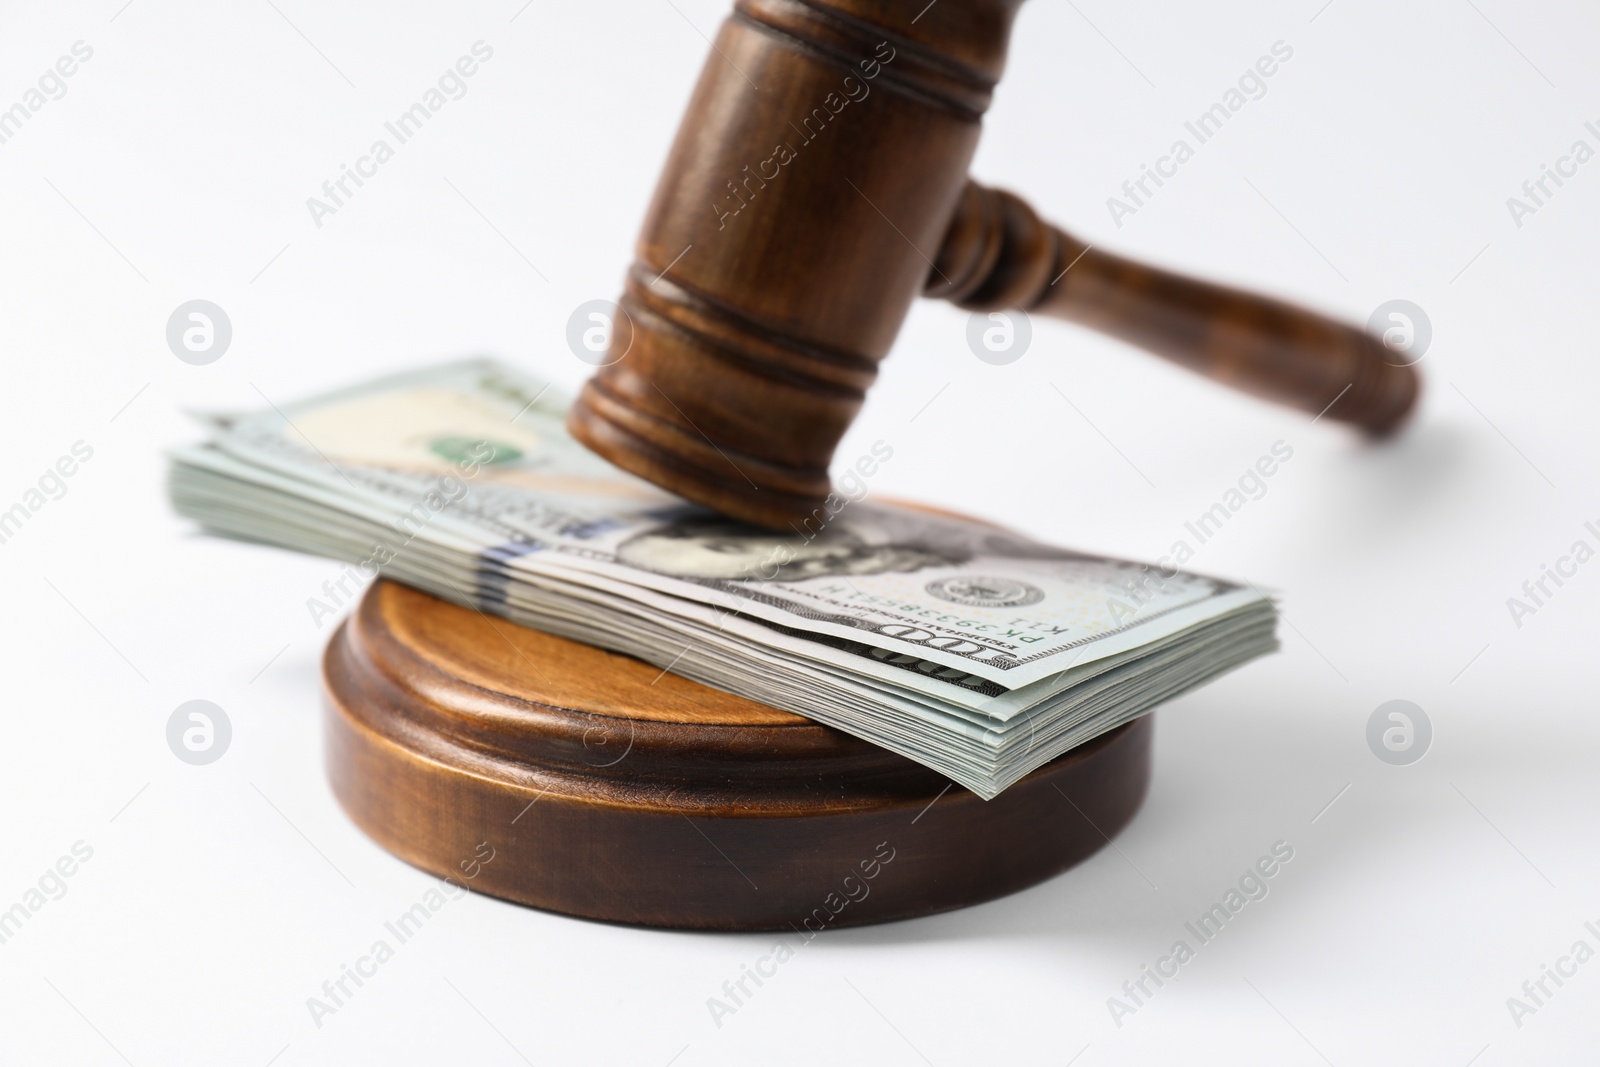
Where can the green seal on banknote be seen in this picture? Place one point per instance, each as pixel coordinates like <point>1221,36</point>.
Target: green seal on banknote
<point>469,450</point>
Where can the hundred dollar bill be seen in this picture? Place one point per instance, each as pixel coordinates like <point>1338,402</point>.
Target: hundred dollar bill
<point>935,636</point>
<point>977,600</point>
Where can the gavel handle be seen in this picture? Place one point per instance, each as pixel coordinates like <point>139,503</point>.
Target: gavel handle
<point>997,254</point>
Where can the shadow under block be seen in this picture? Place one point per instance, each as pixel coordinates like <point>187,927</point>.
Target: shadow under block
<point>611,790</point>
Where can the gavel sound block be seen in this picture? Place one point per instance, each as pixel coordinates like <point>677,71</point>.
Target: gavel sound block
<point>817,186</point>
<point>550,773</point>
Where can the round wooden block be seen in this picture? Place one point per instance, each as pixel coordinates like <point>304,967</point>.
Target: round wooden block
<point>602,787</point>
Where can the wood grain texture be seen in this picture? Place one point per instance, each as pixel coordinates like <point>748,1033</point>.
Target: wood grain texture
<point>999,254</point>
<point>608,789</point>
<point>815,171</point>
<point>817,184</point>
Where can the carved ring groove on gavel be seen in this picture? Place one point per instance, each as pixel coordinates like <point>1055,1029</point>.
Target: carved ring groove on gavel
<point>817,185</point>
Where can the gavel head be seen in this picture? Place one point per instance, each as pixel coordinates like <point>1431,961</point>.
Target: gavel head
<point>812,180</point>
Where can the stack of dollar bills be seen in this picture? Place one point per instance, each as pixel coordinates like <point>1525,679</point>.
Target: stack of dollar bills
<point>972,650</point>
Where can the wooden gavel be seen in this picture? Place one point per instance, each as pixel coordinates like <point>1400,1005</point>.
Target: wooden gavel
<point>817,186</point>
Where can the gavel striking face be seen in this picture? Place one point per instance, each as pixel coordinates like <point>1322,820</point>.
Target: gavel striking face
<point>816,187</point>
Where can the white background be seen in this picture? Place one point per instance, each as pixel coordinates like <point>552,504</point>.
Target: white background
<point>219,898</point>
